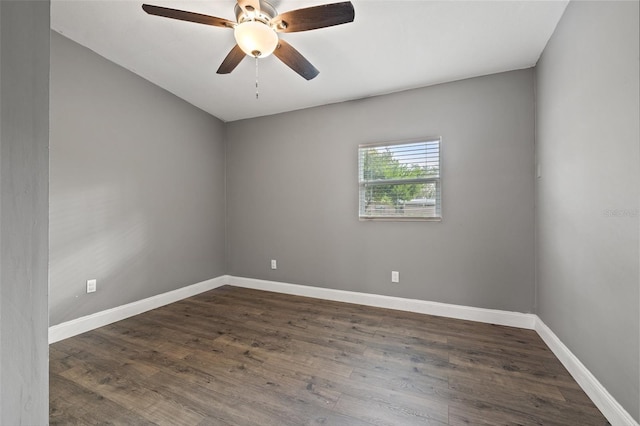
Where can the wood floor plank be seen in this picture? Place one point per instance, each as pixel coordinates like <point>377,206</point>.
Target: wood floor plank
<point>76,405</point>
<point>234,356</point>
<point>381,412</point>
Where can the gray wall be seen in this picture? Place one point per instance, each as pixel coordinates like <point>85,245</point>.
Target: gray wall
<point>137,186</point>
<point>24,126</point>
<point>292,195</point>
<point>587,196</point>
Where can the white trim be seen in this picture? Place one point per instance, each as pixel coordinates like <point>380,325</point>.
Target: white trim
<point>492,316</point>
<point>99,319</point>
<point>606,403</point>
<point>612,410</point>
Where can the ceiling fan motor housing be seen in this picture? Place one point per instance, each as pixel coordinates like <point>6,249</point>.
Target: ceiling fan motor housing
<point>266,13</point>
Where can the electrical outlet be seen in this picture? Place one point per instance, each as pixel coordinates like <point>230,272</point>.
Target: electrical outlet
<point>92,286</point>
<point>274,264</point>
<point>395,276</point>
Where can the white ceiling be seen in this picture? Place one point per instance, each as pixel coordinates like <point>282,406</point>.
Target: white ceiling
<point>391,46</point>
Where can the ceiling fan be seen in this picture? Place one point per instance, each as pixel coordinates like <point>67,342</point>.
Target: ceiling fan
<point>257,26</point>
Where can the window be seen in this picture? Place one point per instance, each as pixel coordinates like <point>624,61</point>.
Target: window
<point>400,180</point>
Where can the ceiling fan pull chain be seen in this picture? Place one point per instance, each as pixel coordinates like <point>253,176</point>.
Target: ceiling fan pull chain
<point>256,77</point>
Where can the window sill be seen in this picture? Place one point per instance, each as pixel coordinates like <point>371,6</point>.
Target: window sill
<point>399,219</point>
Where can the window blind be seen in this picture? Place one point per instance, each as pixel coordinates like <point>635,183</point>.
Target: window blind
<point>400,180</point>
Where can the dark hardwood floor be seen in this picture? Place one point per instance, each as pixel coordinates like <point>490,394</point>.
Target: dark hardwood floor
<point>234,356</point>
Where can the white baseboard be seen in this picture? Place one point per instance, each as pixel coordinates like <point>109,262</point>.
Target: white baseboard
<point>492,316</point>
<point>99,319</point>
<point>611,409</point>
<point>607,404</point>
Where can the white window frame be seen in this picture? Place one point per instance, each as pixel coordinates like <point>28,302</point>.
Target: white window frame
<point>363,184</point>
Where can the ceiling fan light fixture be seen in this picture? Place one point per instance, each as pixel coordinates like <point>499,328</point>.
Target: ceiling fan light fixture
<point>256,38</point>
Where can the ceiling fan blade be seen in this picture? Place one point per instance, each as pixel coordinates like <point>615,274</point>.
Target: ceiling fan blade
<point>311,18</point>
<point>187,16</point>
<point>294,60</point>
<point>249,6</point>
<point>232,60</point>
